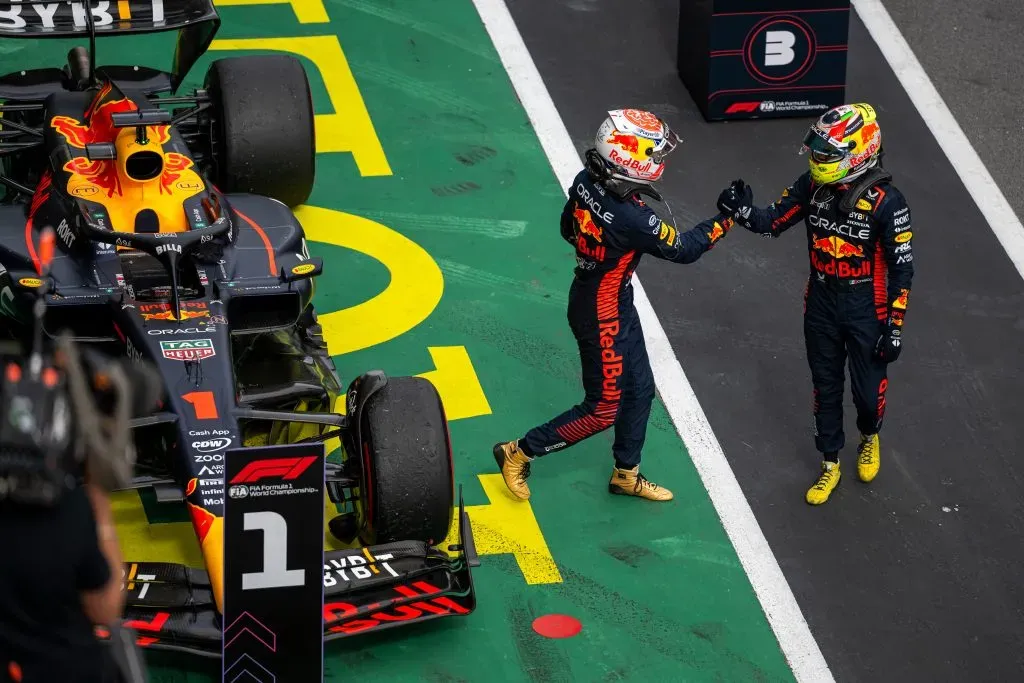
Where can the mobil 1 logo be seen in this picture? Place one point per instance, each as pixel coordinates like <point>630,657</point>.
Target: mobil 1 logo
<point>273,560</point>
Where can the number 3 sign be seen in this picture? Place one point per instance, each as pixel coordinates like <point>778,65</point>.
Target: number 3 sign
<point>273,554</point>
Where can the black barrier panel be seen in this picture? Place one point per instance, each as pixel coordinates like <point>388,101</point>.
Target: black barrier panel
<point>746,59</point>
<point>273,560</point>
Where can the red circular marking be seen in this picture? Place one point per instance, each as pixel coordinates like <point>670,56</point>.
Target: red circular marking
<point>557,626</point>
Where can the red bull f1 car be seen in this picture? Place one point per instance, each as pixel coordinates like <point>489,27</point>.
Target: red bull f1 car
<point>176,246</point>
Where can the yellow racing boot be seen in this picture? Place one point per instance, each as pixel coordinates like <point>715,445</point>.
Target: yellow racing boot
<point>632,483</point>
<point>827,482</point>
<point>515,468</point>
<point>869,457</point>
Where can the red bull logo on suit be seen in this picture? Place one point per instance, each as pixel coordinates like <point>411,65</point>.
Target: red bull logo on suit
<point>839,249</point>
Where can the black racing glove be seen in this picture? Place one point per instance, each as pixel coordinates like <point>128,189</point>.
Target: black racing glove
<point>736,201</point>
<point>887,348</point>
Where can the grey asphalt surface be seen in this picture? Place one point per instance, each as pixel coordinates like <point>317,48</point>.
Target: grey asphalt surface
<point>974,54</point>
<point>917,576</point>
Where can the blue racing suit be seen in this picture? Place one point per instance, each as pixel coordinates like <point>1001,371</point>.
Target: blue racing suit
<point>610,235</point>
<point>861,270</point>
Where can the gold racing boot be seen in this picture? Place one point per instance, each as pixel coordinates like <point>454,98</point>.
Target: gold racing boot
<point>632,483</point>
<point>869,457</point>
<point>515,467</point>
<point>827,482</point>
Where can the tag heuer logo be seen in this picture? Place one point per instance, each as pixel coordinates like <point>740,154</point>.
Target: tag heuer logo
<point>187,349</point>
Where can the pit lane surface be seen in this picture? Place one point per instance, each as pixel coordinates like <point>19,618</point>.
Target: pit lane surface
<point>912,578</point>
<point>974,59</point>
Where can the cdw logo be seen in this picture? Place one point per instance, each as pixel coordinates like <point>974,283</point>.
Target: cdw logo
<point>285,468</point>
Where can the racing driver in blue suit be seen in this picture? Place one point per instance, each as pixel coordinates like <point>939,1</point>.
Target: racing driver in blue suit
<point>611,227</point>
<point>861,269</point>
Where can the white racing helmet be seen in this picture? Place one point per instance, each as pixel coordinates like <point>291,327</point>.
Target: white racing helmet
<point>634,144</point>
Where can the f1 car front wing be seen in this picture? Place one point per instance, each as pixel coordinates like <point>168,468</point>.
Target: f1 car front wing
<point>171,606</point>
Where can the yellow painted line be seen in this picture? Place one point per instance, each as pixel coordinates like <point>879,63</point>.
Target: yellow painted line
<point>124,9</point>
<point>455,380</point>
<point>412,294</point>
<point>507,525</point>
<point>306,11</point>
<point>457,383</point>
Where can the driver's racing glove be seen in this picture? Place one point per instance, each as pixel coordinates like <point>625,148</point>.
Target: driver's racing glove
<point>887,348</point>
<point>737,201</point>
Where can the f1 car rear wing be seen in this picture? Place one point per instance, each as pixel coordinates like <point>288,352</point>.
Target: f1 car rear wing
<point>196,21</point>
<point>171,607</point>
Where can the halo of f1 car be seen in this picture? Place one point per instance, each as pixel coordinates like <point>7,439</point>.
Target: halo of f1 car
<point>176,245</point>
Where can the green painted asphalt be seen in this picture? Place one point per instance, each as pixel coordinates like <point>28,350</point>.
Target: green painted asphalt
<point>658,588</point>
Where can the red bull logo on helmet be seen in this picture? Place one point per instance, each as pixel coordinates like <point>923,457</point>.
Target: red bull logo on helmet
<point>637,149</point>
<point>641,166</point>
<point>627,142</point>
<point>868,132</point>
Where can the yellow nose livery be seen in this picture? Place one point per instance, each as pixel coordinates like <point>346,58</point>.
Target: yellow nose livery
<point>142,176</point>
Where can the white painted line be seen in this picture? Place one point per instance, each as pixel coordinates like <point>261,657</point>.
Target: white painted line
<point>767,579</point>
<point>954,143</point>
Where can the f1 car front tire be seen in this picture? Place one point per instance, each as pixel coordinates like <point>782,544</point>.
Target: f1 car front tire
<point>263,133</point>
<point>407,490</point>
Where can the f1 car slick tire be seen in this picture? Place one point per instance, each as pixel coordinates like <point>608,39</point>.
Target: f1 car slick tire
<point>263,134</point>
<point>407,490</point>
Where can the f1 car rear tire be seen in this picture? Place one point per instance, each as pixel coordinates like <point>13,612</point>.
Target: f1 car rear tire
<point>407,489</point>
<point>263,136</point>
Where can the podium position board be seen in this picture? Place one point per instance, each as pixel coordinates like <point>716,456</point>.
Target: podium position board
<point>273,564</point>
<point>745,59</point>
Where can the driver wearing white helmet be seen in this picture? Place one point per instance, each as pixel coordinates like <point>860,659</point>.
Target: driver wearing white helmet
<point>611,227</point>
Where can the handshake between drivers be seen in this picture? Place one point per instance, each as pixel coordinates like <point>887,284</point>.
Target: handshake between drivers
<point>736,201</point>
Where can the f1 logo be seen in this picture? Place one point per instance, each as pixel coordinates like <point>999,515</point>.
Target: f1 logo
<point>742,107</point>
<point>286,468</point>
<point>778,48</point>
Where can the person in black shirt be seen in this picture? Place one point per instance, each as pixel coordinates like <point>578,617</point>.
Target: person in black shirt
<point>59,576</point>
<point>64,443</point>
<point>61,569</point>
